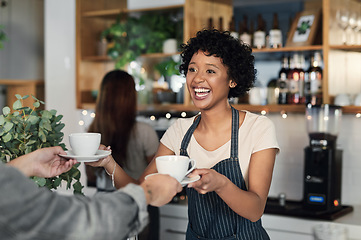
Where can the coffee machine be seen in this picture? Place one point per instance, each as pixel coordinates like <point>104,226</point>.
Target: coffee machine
<point>323,161</point>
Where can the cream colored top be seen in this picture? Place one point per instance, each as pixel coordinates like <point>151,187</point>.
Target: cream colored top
<point>255,134</point>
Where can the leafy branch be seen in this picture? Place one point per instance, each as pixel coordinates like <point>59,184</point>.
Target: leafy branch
<point>27,129</point>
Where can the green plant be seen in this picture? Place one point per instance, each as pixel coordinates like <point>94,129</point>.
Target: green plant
<point>168,67</point>
<point>135,36</point>
<point>2,36</point>
<point>26,129</point>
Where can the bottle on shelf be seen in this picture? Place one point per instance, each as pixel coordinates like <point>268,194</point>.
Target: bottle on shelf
<point>210,23</point>
<point>275,34</point>
<point>232,28</point>
<point>283,82</point>
<point>301,83</point>
<point>220,24</point>
<point>296,77</point>
<point>244,34</point>
<point>313,80</point>
<point>293,77</point>
<point>259,36</point>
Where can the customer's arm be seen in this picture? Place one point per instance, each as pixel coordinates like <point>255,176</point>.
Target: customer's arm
<point>44,162</point>
<point>29,212</point>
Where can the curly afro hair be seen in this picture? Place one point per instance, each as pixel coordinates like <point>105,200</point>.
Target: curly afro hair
<point>236,55</point>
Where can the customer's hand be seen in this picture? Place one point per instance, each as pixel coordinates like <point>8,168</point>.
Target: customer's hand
<point>159,189</point>
<point>44,162</point>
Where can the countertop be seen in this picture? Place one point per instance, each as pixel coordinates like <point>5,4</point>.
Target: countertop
<point>287,224</point>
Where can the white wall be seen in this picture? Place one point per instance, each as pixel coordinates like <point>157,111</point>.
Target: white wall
<point>59,35</point>
<point>293,138</point>
<point>22,55</point>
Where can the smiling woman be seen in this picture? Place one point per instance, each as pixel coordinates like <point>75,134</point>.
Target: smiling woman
<point>234,150</point>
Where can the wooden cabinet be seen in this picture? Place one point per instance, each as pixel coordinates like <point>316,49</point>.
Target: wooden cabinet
<point>23,87</point>
<point>93,17</point>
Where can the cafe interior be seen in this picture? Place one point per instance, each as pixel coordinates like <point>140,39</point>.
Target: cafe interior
<point>59,51</point>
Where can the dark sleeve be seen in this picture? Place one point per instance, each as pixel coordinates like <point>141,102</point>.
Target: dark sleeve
<point>30,212</point>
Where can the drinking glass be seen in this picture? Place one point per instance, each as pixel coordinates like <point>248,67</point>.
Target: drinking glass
<point>342,18</point>
<point>352,22</point>
<point>358,28</point>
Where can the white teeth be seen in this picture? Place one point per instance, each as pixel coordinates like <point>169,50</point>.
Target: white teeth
<point>201,90</point>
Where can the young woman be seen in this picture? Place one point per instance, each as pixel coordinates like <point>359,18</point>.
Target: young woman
<point>133,143</point>
<point>235,150</point>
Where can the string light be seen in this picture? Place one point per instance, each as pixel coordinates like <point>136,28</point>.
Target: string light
<point>263,112</point>
<point>358,115</point>
<point>81,122</point>
<point>168,115</point>
<point>92,115</point>
<point>152,118</point>
<point>183,114</point>
<point>284,114</point>
<point>84,112</point>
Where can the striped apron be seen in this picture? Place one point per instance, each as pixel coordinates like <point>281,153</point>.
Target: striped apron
<point>209,216</point>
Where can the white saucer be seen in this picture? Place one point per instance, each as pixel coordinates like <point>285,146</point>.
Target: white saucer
<point>185,180</point>
<point>98,155</point>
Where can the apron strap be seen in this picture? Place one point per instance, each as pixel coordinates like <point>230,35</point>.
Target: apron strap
<point>234,136</point>
<point>188,135</point>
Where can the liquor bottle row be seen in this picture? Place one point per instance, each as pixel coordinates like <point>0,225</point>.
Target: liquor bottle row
<point>257,38</point>
<point>298,85</point>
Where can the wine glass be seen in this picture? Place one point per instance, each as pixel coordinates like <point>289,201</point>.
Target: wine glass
<point>352,22</point>
<point>358,28</point>
<point>342,18</point>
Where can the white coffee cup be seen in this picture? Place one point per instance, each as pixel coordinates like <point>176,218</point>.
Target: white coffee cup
<point>84,144</point>
<point>175,166</point>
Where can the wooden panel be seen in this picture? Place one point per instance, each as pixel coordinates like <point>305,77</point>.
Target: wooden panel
<point>23,87</point>
<point>209,9</point>
<point>92,5</point>
<point>194,21</point>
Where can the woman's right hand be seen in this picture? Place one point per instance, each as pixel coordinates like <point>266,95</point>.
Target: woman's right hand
<point>103,162</point>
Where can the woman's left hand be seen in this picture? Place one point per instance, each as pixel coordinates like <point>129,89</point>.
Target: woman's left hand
<point>210,180</point>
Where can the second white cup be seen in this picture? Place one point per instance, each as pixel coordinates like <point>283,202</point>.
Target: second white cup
<point>175,166</point>
<point>84,144</point>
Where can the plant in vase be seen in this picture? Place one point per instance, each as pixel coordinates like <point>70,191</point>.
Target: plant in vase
<point>134,36</point>
<point>26,129</point>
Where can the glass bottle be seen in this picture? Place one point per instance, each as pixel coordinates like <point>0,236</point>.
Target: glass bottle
<point>244,34</point>
<point>232,28</point>
<point>283,82</point>
<point>259,36</point>
<point>210,23</point>
<point>313,80</point>
<point>275,34</point>
<point>220,26</point>
<point>293,77</point>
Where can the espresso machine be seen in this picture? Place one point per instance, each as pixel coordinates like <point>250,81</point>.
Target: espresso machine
<point>323,161</point>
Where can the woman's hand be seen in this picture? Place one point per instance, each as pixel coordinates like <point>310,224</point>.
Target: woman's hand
<point>210,181</point>
<point>103,162</point>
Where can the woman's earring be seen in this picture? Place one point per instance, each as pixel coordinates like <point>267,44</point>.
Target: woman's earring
<point>232,85</point>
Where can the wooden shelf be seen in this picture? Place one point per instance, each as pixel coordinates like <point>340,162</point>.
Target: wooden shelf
<point>97,59</point>
<point>288,49</point>
<point>113,13</point>
<point>252,108</point>
<point>354,48</point>
<point>23,87</point>
<point>248,107</point>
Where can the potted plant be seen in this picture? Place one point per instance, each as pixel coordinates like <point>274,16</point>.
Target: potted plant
<point>135,36</point>
<point>26,129</point>
<point>2,36</point>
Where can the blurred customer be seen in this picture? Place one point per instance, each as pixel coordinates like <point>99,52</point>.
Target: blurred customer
<point>133,143</point>
<point>29,212</point>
